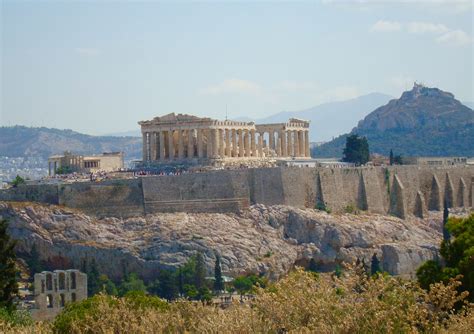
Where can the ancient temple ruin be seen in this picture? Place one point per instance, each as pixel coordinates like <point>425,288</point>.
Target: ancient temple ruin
<point>195,139</point>
<point>53,290</point>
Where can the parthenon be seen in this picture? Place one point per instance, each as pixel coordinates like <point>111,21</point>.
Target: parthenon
<point>186,137</point>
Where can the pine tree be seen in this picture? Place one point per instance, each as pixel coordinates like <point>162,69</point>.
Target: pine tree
<point>446,235</point>
<point>93,279</point>
<point>375,265</point>
<point>391,157</point>
<point>200,274</point>
<point>218,281</point>
<point>8,283</point>
<point>34,262</point>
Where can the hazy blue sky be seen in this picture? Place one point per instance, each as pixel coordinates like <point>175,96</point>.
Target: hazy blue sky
<point>101,66</point>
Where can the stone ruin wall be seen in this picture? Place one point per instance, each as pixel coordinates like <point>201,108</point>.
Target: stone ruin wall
<point>397,190</point>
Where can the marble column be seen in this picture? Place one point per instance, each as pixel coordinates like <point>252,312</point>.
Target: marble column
<point>170,145</point>
<point>200,143</point>
<point>289,143</point>
<point>296,144</point>
<point>278,150</point>
<point>221,143</point>
<point>253,148</point>
<point>209,143</point>
<point>228,152</point>
<point>152,146</point>
<point>235,151</point>
<point>215,143</point>
<point>145,147</point>
<point>162,146</point>
<point>284,147</point>
<point>260,145</point>
<point>240,134</point>
<point>190,144</point>
<point>306,141</point>
<point>302,144</point>
<point>248,153</point>
<point>180,144</point>
<point>271,140</point>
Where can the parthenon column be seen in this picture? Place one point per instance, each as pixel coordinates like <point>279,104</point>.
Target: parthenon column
<point>215,143</point>
<point>306,141</point>
<point>240,134</point>
<point>152,146</point>
<point>296,144</point>
<point>228,146</point>
<point>235,151</point>
<point>301,142</point>
<point>271,140</point>
<point>170,145</point>
<point>145,147</point>
<point>190,143</point>
<point>180,144</point>
<point>278,147</point>
<point>247,143</point>
<point>209,143</point>
<point>284,147</point>
<point>260,145</point>
<point>199,143</point>
<point>222,147</point>
<point>289,143</point>
<point>162,146</point>
<point>252,143</point>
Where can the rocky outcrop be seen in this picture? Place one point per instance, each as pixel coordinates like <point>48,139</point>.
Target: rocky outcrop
<point>269,240</point>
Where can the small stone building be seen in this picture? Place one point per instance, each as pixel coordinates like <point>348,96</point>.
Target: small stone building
<point>53,290</point>
<point>108,162</point>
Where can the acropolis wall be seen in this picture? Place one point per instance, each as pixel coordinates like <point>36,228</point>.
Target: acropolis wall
<point>397,190</point>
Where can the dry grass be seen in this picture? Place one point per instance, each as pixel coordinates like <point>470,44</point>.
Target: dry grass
<point>299,303</point>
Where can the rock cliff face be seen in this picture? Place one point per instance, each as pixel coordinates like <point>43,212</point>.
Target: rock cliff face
<point>262,239</point>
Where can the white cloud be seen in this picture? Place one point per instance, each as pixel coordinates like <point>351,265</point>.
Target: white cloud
<point>232,86</point>
<point>87,51</point>
<point>446,35</point>
<point>426,27</point>
<point>338,94</point>
<point>386,26</point>
<point>401,82</point>
<point>296,86</point>
<point>455,38</point>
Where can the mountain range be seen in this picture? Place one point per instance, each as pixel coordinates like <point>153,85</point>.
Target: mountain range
<point>422,122</point>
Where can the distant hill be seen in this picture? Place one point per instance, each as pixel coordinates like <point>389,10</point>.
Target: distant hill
<point>332,119</point>
<point>17,141</point>
<point>424,122</point>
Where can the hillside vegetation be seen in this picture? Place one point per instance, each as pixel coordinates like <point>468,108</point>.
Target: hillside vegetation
<point>422,122</point>
<point>19,141</point>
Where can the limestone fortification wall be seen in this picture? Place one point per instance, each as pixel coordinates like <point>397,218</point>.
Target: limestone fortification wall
<point>397,190</point>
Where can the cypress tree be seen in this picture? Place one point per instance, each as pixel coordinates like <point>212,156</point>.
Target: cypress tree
<point>312,265</point>
<point>391,157</point>
<point>446,235</point>
<point>8,283</point>
<point>375,265</point>
<point>200,273</point>
<point>93,279</point>
<point>34,262</point>
<point>218,281</point>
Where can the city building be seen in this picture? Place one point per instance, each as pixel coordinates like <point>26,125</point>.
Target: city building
<point>435,161</point>
<point>107,162</point>
<point>187,138</point>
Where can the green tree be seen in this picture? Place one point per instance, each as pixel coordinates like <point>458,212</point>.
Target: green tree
<point>17,181</point>
<point>391,157</point>
<point>356,150</point>
<point>218,281</point>
<point>458,255</point>
<point>131,283</point>
<point>375,265</point>
<point>93,279</point>
<point>34,262</point>
<point>107,285</point>
<point>200,273</point>
<point>166,286</point>
<point>8,271</point>
<point>313,267</point>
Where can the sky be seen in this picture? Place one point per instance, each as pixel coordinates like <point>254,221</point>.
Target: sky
<point>101,66</point>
